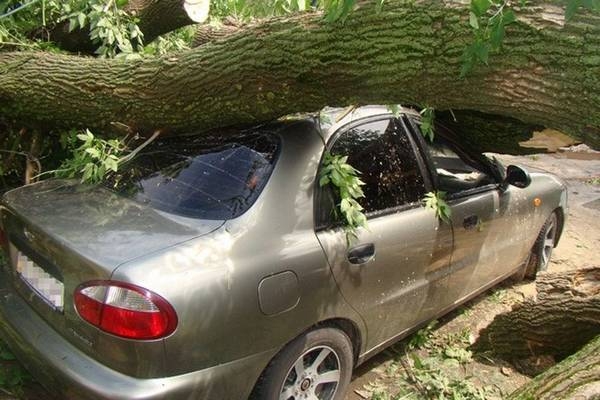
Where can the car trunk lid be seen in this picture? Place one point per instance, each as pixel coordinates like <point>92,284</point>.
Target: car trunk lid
<point>97,224</point>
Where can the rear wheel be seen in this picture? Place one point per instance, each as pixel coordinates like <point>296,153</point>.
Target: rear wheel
<point>315,366</point>
<point>543,247</point>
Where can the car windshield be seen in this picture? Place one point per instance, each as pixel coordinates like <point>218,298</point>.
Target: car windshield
<point>206,177</point>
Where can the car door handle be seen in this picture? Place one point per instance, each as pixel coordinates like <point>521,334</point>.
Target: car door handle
<point>361,254</point>
<point>470,222</point>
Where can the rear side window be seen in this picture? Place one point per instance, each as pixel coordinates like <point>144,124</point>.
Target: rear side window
<point>200,177</point>
<point>382,152</point>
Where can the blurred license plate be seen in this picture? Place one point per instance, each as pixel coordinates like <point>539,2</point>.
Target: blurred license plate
<point>47,287</point>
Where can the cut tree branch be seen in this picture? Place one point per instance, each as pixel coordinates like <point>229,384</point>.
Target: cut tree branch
<point>564,316</point>
<point>155,18</point>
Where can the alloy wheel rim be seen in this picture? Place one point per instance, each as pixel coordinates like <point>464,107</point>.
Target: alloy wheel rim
<point>315,375</point>
<point>549,239</point>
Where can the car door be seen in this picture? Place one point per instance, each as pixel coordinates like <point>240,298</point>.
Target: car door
<point>485,248</point>
<point>383,273</point>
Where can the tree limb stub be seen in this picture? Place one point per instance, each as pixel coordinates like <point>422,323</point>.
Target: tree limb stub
<point>155,18</point>
<point>409,53</point>
<point>577,377</point>
<point>565,316</point>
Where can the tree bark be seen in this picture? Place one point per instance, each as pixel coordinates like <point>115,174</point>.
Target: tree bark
<point>564,317</point>
<point>548,73</point>
<point>577,377</point>
<point>486,132</point>
<point>207,33</point>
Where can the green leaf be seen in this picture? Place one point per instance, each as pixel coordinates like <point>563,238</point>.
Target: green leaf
<point>417,361</point>
<point>324,180</point>
<point>509,17</point>
<point>497,35</point>
<point>473,20</point>
<point>93,152</point>
<point>481,51</point>
<point>479,7</point>
<point>394,109</point>
<point>81,19</point>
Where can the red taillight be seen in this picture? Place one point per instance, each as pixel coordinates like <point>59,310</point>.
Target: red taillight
<point>125,310</point>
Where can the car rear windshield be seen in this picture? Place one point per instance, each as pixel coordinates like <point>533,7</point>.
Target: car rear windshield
<point>206,177</point>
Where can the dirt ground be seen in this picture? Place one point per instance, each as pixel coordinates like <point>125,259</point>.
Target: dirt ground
<point>391,375</point>
<point>443,349</point>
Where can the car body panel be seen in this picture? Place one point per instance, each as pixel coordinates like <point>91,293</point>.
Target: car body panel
<point>213,281</point>
<point>212,272</point>
<point>71,374</point>
<point>392,290</point>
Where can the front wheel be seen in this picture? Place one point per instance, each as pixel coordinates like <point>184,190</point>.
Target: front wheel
<point>542,249</point>
<point>315,366</point>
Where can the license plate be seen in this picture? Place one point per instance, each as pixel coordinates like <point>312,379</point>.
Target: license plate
<point>45,285</point>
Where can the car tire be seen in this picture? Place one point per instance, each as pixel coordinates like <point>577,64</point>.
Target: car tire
<point>542,249</point>
<point>315,366</point>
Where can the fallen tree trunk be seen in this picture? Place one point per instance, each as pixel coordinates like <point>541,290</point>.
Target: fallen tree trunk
<point>410,53</point>
<point>577,377</point>
<point>564,317</point>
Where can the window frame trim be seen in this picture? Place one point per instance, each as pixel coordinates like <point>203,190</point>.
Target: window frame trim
<point>378,213</point>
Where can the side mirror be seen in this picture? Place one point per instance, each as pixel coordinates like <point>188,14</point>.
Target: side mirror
<point>517,176</point>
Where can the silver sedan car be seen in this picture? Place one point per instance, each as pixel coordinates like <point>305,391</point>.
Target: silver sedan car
<point>217,267</point>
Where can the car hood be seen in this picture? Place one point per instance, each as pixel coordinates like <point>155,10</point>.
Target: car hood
<point>98,224</point>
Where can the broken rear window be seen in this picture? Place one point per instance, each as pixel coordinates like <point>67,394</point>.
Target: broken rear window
<point>199,176</point>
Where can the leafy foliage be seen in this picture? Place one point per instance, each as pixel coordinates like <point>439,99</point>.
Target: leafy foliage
<point>177,40</point>
<point>92,159</point>
<point>246,9</point>
<point>422,338</point>
<point>436,201</point>
<point>434,384</point>
<point>344,178</point>
<point>488,20</point>
<point>111,28</point>
<point>574,5</point>
<point>428,123</point>
<point>334,10</point>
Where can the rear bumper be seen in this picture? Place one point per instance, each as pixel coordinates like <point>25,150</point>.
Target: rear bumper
<point>70,374</point>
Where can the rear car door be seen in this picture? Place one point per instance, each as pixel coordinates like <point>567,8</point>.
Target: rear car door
<point>383,273</point>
